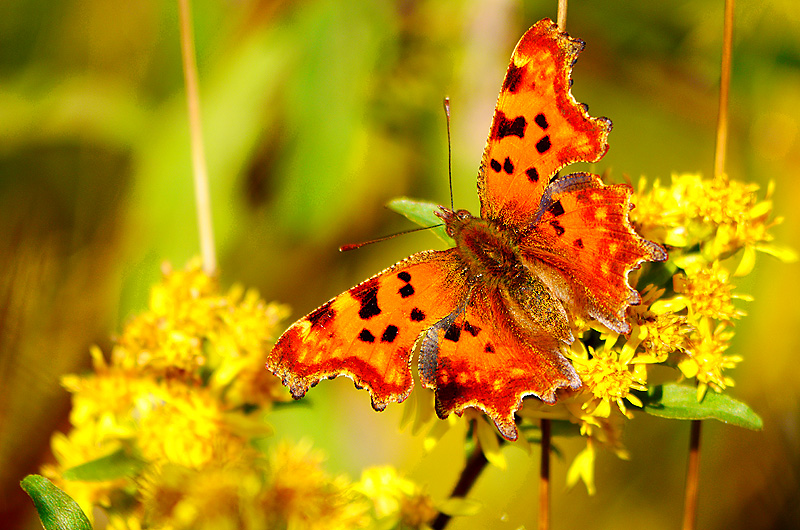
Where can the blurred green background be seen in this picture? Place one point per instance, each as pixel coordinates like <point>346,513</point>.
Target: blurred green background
<point>316,113</point>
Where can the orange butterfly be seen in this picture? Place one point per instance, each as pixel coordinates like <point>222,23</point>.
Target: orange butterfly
<point>492,314</point>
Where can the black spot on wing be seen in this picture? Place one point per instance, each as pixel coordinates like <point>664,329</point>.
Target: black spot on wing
<point>543,145</point>
<point>471,329</point>
<point>406,291</point>
<point>389,334</point>
<point>367,295</point>
<point>488,348</point>
<point>557,227</point>
<point>533,174</point>
<point>417,315</point>
<point>495,165</point>
<point>453,333</point>
<point>541,121</point>
<point>504,127</point>
<point>366,336</point>
<point>556,209</point>
<point>320,317</point>
<point>578,243</point>
<point>508,166</point>
<point>404,276</point>
<point>513,78</point>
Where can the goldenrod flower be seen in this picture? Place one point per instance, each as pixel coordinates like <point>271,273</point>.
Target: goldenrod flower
<point>707,293</point>
<point>300,495</point>
<point>395,500</point>
<point>609,376</point>
<point>706,360</point>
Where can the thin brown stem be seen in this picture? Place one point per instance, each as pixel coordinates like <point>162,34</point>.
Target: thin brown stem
<point>544,477</point>
<point>562,15</point>
<point>692,477</point>
<point>200,171</point>
<point>724,88</point>
<point>472,470</point>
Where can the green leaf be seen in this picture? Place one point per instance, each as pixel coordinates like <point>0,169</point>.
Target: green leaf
<point>421,212</point>
<point>680,402</point>
<point>57,510</point>
<point>119,464</point>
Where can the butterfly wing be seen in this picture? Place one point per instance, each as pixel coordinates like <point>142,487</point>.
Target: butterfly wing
<point>481,357</point>
<point>368,332</point>
<point>537,128</point>
<point>583,246</point>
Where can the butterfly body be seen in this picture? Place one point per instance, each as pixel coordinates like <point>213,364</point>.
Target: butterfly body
<point>491,315</point>
<point>491,255</point>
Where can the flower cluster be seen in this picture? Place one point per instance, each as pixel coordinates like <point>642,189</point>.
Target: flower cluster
<point>170,432</point>
<point>712,229</point>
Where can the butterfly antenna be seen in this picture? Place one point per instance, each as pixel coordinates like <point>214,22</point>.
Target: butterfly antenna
<point>449,149</point>
<point>353,246</point>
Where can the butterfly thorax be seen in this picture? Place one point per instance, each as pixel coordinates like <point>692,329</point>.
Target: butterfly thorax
<point>490,254</point>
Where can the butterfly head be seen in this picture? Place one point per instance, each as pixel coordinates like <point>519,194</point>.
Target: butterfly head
<point>454,220</point>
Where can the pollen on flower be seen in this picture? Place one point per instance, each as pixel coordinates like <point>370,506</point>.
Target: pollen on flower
<point>664,334</point>
<point>706,360</point>
<point>709,293</point>
<point>609,379</point>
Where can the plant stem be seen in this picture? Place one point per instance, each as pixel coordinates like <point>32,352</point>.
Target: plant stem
<point>692,477</point>
<point>472,470</point>
<point>562,15</point>
<point>200,172</point>
<point>544,477</point>
<point>724,88</point>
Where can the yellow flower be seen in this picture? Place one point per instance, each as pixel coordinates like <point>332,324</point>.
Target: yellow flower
<point>395,499</point>
<point>708,293</point>
<point>184,425</point>
<point>609,376</point>
<point>720,216</point>
<point>706,359</point>
<point>300,495</point>
<point>664,334</point>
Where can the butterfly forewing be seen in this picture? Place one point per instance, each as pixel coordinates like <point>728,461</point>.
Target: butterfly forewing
<point>368,332</point>
<point>538,127</point>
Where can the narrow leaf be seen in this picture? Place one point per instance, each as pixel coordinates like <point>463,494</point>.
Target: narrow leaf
<point>420,212</point>
<point>116,465</point>
<point>57,510</point>
<point>680,402</point>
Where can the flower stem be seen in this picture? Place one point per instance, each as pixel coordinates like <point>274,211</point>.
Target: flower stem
<point>199,169</point>
<point>692,477</point>
<point>562,15</point>
<point>544,477</point>
<point>472,470</point>
<point>724,88</point>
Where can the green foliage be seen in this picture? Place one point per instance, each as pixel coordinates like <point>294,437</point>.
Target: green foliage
<point>680,402</point>
<point>422,213</point>
<point>57,510</point>
<point>119,464</point>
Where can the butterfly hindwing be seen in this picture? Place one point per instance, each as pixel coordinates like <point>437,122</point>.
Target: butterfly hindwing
<point>368,332</point>
<point>583,245</point>
<point>537,128</point>
<point>483,359</point>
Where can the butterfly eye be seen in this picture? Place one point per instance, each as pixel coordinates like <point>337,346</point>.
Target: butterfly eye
<point>463,215</point>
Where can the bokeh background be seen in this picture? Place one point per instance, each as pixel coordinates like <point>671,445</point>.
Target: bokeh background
<point>316,113</point>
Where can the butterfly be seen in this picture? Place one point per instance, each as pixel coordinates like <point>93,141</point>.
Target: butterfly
<point>491,315</point>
